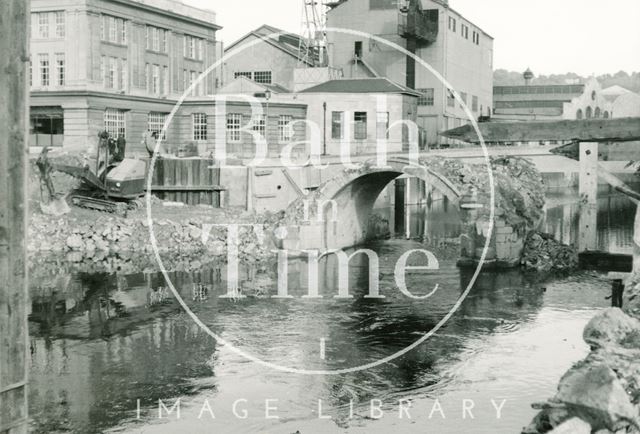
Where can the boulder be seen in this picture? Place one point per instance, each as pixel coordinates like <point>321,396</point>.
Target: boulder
<point>612,326</point>
<point>74,242</point>
<point>574,425</point>
<point>594,393</point>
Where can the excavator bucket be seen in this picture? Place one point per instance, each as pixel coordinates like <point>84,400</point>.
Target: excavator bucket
<point>56,207</point>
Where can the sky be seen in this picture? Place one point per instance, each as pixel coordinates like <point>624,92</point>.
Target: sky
<point>549,36</point>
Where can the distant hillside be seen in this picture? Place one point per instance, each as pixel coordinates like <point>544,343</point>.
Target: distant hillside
<point>502,77</point>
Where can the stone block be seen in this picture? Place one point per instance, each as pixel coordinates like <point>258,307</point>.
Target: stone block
<point>491,253</point>
<point>503,250</point>
<point>504,230</point>
<point>499,223</point>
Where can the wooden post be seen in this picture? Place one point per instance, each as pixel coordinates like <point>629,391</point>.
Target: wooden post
<point>13,160</point>
<point>588,189</point>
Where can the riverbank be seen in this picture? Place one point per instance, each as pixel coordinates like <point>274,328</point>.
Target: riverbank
<point>600,394</point>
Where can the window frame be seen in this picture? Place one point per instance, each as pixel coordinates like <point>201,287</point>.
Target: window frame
<point>44,66</point>
<point>199,126</point>
<point>337,125</point>
<point>261,77</point>
<point>285,129</point>
<point>427,97</point>
<point>60,23</point>
<point>115,120</point>
<point>155,123</point>
<point>60,65</point>
<point>233,127</point>
<point>360,125</point>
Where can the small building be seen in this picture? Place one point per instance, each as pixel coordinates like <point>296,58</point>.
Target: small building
<point>360,112</point>
<point>550,101</point>
<point>115,65</point>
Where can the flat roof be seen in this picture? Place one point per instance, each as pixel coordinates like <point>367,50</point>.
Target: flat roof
<point>177,7</point>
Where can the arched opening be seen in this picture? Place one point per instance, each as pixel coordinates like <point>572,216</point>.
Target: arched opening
<point>589,113</point>
<point>606,115</point>
<point>597,113</point>
<point>579,114</point>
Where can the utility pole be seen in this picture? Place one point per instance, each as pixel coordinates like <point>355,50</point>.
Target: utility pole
<point>13,175</point>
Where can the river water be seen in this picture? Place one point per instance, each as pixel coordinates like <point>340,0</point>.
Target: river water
<point>105,348</point>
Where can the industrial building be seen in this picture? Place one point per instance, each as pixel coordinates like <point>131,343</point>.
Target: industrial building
<point>115,65</point>
<point>529,102</point>
<point>460,51</point>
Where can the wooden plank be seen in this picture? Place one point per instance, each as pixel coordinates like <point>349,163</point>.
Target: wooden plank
<point>13,167</point>
<point>588,190</point>
<point>588,130</point>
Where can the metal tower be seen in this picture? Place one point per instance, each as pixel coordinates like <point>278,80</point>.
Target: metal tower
<point>313,41</point>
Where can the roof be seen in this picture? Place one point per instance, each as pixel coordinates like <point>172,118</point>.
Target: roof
<point>547,89</point>
<point>177,9</point>
<point>243,84</point>
<point>360,85</point>
<point>285,41</point>
<point>424,4</point>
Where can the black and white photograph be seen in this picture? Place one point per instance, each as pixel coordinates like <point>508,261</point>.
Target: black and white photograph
<point>319,216</point>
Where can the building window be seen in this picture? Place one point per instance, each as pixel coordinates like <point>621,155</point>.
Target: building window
<point>60,24</point>
<point>452,24</point>
<point>156,39</point>
<point>589,113</point>
<point>60,73</point>
<point>123,74</point>
<point>242,74</point>
<point>44,69</point>
<point>426,98</point>
<point>476,38</point>
<point>155,80</point>
<point>382,125</point>
<point>337,125</point>
<point>200,126</point>
<point>285,129</point>
<point>579,114</point>
<point>155,123</point>
<point>166,80</point>
<point>114,30</point>
<point>193,47</point>
<point>193,76</point>
<point>360,125</point>
<point>451,100</point>
<point>357,49</point>
<point>474,103</point>
<point>464,31</point>
<point>259,125</point>
<point>185,80</point>
<point>263,77</point>
<point>463,97</point>
<point>234,121</point>
<point>114,122</point>
<point>110,72</point>
<point>43,25</point>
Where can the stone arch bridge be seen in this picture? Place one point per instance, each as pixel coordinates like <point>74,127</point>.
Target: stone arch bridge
<point>336,215</point>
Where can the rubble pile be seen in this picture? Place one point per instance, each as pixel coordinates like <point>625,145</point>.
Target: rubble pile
<point>97,237</point>
<point>543,253</point>
<point>600,394</point>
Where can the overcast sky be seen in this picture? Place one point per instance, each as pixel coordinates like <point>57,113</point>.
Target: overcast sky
<point>550,36</point>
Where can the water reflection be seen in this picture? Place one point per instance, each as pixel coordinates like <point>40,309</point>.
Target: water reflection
<point>102,341</point>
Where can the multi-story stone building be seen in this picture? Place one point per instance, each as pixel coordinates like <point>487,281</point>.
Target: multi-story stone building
<point>460,51</point>
<point>115,65</point>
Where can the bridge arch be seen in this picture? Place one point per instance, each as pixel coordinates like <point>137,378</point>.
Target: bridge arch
<point>338,212</point>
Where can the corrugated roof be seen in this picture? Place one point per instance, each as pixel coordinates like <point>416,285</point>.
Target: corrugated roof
<point>360,85</point>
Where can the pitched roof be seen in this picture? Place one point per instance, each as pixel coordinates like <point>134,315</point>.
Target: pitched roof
<point>360,85</point>
<point>285,41</point>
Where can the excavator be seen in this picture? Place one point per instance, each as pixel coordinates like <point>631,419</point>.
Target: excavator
<point>114,185</point>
